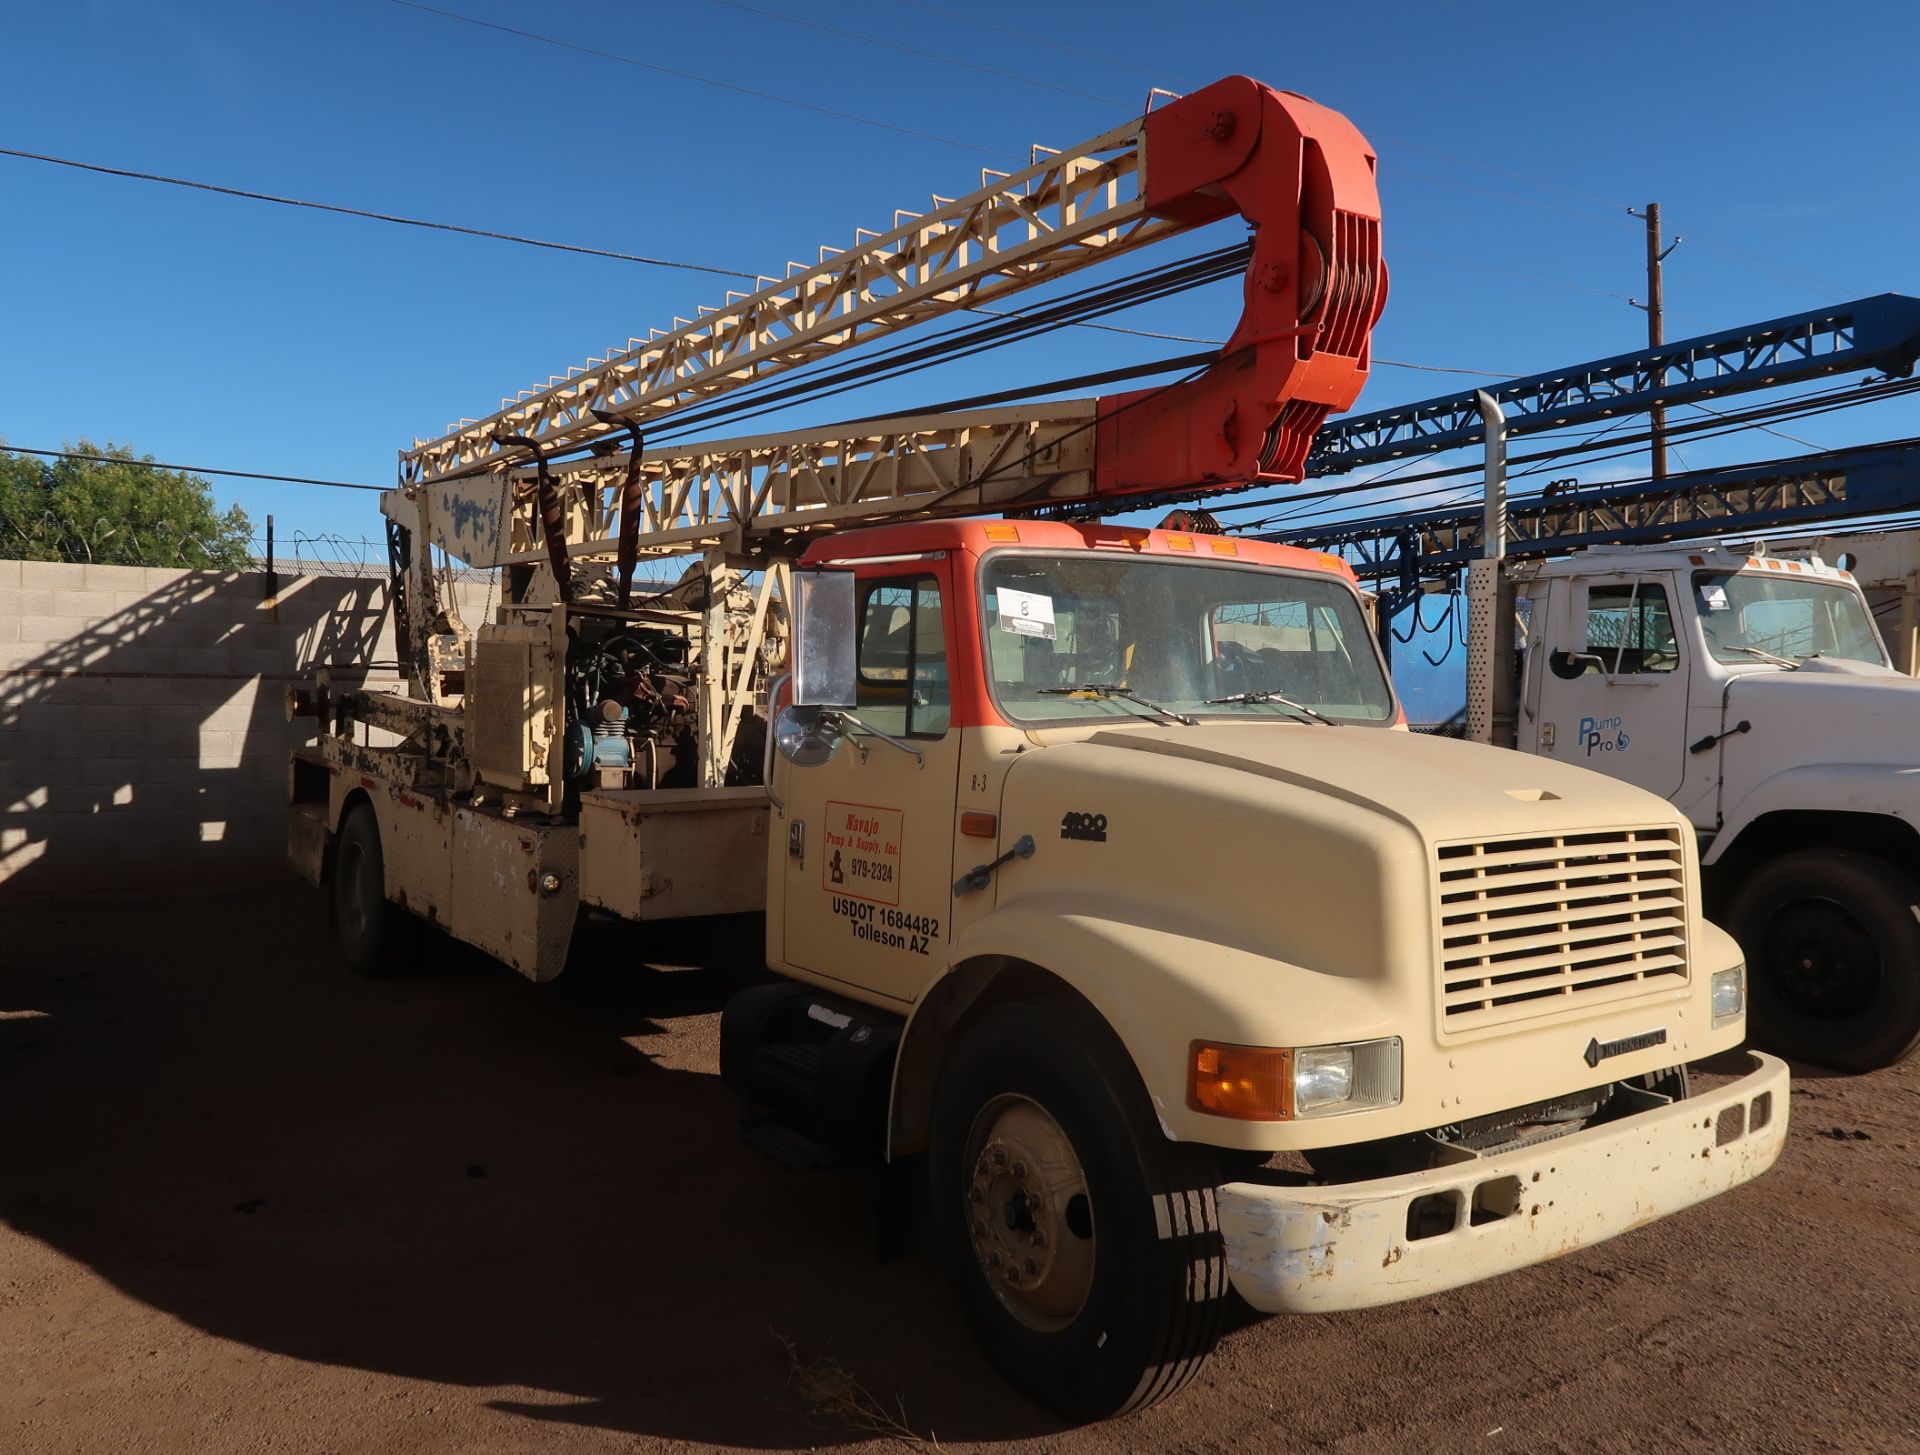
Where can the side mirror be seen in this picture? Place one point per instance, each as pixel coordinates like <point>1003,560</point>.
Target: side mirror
<point>823,639</point>
<point>803,739</point>
<point>1576,637</point>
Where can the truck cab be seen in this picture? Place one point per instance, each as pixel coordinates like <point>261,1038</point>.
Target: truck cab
<point>1107,877</point>
<point>1755,694</point>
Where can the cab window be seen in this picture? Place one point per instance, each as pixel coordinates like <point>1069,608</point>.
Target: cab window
<point>903,658</point>
<point>1630,629</point>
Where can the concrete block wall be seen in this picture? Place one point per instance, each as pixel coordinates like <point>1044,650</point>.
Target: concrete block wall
<point>143,744</point>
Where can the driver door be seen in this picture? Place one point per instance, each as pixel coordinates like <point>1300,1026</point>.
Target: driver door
<point>867,885</point>
<point>1617,702</point>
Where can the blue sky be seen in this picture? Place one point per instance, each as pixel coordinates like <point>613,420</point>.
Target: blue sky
<point>223,332</point>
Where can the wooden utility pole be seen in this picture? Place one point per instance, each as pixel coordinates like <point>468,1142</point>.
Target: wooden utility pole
<point>1656,329</point>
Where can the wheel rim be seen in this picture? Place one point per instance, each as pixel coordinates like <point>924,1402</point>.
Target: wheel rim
<point>1822,962</point>
<point>1029,1213</point>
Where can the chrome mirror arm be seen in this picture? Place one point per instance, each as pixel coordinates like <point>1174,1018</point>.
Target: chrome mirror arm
<point>841,715</point>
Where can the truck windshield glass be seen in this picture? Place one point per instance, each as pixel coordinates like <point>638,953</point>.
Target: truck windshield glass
<point>1178,634</point>
<point>1748,616</point>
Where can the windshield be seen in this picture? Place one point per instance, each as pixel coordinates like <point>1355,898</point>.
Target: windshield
<point>1748,616</point>
<point>1178,634</point>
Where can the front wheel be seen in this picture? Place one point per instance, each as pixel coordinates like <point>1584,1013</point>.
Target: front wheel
<point>1085,1244</point>
<point>1832,941</point>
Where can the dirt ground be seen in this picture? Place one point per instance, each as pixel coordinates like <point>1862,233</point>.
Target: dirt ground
<point>249,1202</point>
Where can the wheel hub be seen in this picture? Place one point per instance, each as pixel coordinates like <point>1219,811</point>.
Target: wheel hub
<point>1822,961</point>
<point>1028,1213</point>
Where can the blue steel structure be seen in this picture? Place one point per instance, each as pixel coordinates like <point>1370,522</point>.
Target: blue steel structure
<point>1879,333</point>
<point>1397,553</point>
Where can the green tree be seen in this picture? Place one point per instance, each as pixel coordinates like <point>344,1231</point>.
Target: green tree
<point>121,510</point>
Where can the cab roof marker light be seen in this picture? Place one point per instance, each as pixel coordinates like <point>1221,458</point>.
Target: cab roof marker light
<point>1179,543</point>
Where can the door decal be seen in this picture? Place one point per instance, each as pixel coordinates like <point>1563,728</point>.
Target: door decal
<point>1604,735</point>
<point>860,856</point>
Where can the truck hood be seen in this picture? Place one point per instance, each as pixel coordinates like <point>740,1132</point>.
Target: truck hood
<point>1826,711</point>
<point>1309,846</point>
<point>1872,697</point>
<point>1440,787</point>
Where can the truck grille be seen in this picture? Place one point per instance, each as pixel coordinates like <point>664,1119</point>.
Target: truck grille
<point>1531,926</point>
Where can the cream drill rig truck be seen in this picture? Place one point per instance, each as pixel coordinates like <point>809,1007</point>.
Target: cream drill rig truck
<point>1753,692</point>
<point>1102,884</point>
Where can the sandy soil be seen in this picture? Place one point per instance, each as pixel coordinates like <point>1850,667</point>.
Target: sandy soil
<point>249,1202</point>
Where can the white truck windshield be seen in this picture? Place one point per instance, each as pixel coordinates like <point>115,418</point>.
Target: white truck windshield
<point>1748,616</point>
<point>1180,634</point>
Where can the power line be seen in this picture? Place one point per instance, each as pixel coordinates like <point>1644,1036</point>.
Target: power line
<point>1741,257</point>
<point>1501,172</point>
<point>1793,277</point>
<point>532,242</point>
<point>923,55</point>
<point>634,61</point>
<point>1766,429</point>
<point>186,469</point>
<point>1490,192</point>
<point>1507,272</point>
<point>621,257</point>
<point>1439,369</point>
<point>1026,35</point>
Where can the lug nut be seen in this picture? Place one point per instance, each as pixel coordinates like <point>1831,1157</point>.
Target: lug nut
<point>1039,1239</point>
<point>1020,1170</point>
<point>1032,1266</point>
<point>1013,1274</point>
<point>993,1257</point>
<point>999,1156</point>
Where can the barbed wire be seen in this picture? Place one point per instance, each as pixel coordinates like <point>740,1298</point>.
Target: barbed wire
<point>356,558</point>
<point>343,557</point>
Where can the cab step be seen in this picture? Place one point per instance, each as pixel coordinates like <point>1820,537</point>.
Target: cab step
<point>814,1070</point>
<point>786,1146</point>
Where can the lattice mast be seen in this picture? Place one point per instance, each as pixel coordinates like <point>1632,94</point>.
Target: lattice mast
<point>1300,175</point>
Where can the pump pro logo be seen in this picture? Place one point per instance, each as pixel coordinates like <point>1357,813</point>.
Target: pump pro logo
<point>1603,735</point>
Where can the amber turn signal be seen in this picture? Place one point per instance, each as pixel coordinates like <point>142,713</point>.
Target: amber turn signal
<point>979,825</point>
<point>1248,1083</point>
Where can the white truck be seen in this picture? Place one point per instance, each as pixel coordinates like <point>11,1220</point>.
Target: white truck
<point>1103,887</point>
<point>1754,693</point>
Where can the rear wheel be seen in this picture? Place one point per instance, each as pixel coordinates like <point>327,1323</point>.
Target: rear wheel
<point>1832,941</point>
<point>1050,1181</point>
<point>369,927</point>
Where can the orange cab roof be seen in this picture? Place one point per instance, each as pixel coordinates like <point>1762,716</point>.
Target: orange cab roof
<point>979,536</point>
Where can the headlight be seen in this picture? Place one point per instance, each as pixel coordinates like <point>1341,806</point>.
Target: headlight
<point>1322,1077</point>
<point>1729,993</point>
<point>1280,1083</point>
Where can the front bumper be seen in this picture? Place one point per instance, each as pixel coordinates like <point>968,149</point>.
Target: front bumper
<point>1348,1246</point>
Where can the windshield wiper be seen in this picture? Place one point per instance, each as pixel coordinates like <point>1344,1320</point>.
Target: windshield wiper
<point>1286,702</point>
<point>1766,656</point>
<point>1106,690</point>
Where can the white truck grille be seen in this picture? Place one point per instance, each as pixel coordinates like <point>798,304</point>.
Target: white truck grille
<point>1531,926</point>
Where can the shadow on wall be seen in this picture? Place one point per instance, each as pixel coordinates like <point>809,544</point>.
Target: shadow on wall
<point>143,740</point>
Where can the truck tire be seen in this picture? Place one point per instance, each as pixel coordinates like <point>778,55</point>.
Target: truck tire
<point>368,925</point>
<point>1832,941</point>
<point>1050,1178</point>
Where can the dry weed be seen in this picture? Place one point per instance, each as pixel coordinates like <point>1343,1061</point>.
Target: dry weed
<point>827,1389</point>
